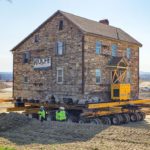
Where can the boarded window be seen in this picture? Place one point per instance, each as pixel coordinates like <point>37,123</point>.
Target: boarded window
<point>98,47</point>
<point>114,50</point>
<point>59,48</point>
<point>128,53</point>
<point>128,77</point>
<point>59,75</point>
<point>98,76</point>
<point>37,38</point>
<point>60,25</point>
<point>25,58</point>
<point>25,82</point>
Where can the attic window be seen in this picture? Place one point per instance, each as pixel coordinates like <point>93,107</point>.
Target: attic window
<point>60,25</point>
<point>37,38</point>
<point>25,58</point>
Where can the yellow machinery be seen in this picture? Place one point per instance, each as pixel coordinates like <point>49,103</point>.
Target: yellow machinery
<point>120,91</point>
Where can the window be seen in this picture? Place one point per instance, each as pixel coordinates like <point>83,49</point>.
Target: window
<point>60,25</point>
<point>128,77</point>
<point>98,47</point>
<point>114,50</point>
<point>60,48</point>
<point>25,82</point>
<point>26,58</point>
<point>128,53</point>
<point>37,38</point>
<point>59,75</point>
<point>98,76</point>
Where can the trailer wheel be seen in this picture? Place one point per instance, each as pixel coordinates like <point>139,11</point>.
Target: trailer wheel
<point>116,120</point>
<point>138,116</point>
<point>95,121</point>
<point>120,118</point>
<point>126,118</point>
<point>133,117</point>
<point>106,120</point>
<point>142,114</point>
<point>82,120</point>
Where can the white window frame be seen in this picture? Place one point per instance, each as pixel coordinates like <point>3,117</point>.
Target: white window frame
<point>128,77</point>
<point>99,76</point>
<point>60,76</point>
<point>128,53</point>
<point>26,83</point>
<point>98,47</point>
<point>59,47</point>
<point>114,51</point>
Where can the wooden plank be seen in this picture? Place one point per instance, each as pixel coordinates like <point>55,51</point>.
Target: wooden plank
<point>15,109</point>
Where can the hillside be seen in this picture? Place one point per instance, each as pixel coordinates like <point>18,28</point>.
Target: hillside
<point>145,76</point>
<point>6,76</point>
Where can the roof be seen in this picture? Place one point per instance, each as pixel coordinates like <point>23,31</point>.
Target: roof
<point>117,62</point>
<point>91,27</point>
<point>94,27</point>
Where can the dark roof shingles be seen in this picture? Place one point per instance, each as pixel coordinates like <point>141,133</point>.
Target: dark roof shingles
<point>97,28</point>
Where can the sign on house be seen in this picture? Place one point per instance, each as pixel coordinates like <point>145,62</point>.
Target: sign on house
<point>42,63</point>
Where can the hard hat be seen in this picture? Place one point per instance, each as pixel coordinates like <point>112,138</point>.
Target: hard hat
<point>61,108</point>
<point>42,107</point>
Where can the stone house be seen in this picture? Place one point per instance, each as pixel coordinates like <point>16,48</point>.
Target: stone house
<point>69,58</point>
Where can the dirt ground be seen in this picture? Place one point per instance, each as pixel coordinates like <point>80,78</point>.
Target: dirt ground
<point>30,134</point>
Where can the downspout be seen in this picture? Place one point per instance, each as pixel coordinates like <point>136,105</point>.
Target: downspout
<point>138,70</point>
<point>13,76</point>
<point>83,64</point>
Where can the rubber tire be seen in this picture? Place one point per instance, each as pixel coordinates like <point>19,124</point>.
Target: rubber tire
<point>133,117</point>
<point>138,116</point>
<point>120,118</point>
<point>143,115</point>
<point>106,120</point>
<point>82,120</point>
<point>115,120</point>
<point>95,121</point>
<point>126,118</point>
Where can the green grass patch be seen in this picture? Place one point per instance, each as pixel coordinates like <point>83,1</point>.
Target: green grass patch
<point>7,148</point>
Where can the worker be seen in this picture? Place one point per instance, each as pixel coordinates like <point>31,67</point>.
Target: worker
<point>42,113</point>
<point>61,114</point>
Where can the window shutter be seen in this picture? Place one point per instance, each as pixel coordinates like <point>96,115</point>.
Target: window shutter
<point>56,48</point>
<point>29,57</point>
<point>64,47</point>
<point>23,58</point>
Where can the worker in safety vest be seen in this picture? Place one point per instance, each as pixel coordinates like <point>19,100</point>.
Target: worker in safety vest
<point>61,114</point>
<point>42,113</point>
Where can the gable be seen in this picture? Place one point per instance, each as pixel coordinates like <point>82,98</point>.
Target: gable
<point>87,26</point>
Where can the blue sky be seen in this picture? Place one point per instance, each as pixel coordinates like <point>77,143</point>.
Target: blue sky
<point>21,17</point>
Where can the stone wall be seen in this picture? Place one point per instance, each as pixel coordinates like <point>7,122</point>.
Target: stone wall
<point>43,83</point>
<point>95,61</point>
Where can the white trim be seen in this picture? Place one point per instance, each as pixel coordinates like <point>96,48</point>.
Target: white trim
<point>62,75</point>
<point>99,76</point>
<point>25,84</point>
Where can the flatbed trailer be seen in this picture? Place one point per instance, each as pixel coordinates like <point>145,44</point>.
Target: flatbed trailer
<point>114,112</point>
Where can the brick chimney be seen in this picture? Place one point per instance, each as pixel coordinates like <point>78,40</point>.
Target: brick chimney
<point>105,21</point>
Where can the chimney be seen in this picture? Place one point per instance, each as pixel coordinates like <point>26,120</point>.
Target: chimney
<point>105,21</point>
